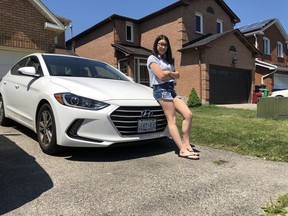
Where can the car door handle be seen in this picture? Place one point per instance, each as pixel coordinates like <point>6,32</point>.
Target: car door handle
<point>17,86</point>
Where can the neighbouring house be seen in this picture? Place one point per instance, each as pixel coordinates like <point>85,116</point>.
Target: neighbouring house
<point>213,57</point>
<point>271,39</point>
<point>27,26</point>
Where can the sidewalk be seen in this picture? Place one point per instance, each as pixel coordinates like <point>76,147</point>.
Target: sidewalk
<point>250,106</point>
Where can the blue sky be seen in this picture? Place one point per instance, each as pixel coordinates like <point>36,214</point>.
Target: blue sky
<point>87,13</point>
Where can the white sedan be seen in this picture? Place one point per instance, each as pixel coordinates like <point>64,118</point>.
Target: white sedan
<point>78,102</point>
<point>280,93</point>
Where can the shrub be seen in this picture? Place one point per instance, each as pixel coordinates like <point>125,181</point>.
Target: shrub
<point>194,100</point>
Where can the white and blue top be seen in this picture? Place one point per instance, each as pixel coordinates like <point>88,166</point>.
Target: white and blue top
<point>164,65</point>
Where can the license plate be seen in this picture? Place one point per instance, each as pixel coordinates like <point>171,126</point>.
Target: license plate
<point>146,125</point>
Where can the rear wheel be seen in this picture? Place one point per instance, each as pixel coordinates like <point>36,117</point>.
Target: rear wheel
<point>3,120</point>
<point>46,130</point>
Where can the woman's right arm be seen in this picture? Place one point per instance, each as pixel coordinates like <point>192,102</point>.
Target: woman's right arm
<point>162,75</point>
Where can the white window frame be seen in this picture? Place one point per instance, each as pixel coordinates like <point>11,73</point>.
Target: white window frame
<point>279,49</point>
<point>266,46</point>
<point>130,25</point>
<point>200,15</point>
<point>220,22</point>
<point>137,69</point>
<point>119,66</point>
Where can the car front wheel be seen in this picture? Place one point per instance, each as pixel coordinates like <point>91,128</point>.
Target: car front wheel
<point>46,130</point>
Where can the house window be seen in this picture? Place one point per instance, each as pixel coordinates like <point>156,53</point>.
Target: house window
<point>141,71</point>
<point>232,49</point>
<point>210,10</point>
<point>129,32</point>
<point>219,26</point>
<point>56,40</point>
<point>266,46</point>
<point>199,23</point>
<point>279,49</point>
<point>123,66</point>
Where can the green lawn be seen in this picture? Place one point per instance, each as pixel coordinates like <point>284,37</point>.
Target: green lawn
<point>240,131</point>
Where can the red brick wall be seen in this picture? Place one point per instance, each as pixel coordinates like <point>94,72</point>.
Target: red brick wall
<point>97,44</point>
<point>22,26</point>
<point>179,26</point>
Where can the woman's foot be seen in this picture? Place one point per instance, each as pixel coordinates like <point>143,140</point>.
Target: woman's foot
<point>189,156</point>
<point>191,150</point>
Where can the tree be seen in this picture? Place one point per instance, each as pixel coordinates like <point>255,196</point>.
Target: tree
<point>194,100</point>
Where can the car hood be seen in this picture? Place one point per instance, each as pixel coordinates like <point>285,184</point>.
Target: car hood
<point>104,89</point>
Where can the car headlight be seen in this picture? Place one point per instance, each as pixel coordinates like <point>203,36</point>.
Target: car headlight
<point>76,101</point>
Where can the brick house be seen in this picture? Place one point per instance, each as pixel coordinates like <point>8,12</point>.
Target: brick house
<point>27,26</point>
<point>212,56</point>
<point>270,38</point>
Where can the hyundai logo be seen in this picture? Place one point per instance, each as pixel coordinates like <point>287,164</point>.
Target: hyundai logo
<point>146,113</point>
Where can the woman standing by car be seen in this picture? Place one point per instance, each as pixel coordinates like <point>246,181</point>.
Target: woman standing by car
<point>163,77</point>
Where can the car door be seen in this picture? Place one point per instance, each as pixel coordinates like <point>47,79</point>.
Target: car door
<point>23,92</point>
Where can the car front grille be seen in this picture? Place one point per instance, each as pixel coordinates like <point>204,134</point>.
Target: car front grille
<point>126,119</point>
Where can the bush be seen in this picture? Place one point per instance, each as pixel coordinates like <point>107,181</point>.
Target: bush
<point>194,100</point>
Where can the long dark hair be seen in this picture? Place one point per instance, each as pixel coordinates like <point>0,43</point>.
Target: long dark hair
<point>168,54</point>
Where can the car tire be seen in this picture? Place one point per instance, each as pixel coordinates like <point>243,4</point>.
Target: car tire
<point>46,130</point>
<point>3,120</point>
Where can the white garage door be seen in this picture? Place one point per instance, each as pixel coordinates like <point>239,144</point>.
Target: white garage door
<point>8,58</point>
<point>280,81</point>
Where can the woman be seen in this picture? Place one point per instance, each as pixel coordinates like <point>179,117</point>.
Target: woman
<point>163,77</point>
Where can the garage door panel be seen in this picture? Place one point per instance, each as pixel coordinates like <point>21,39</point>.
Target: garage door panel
<point>8,58</point>
<point>229,86</point>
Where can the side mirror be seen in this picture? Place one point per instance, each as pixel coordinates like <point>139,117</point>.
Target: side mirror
<point>29,71</point>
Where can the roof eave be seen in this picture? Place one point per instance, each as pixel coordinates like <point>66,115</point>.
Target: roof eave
<point>55,24</point>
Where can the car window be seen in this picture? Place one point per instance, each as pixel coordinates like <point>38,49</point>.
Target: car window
<point>21,63</point>
<point>34,62</point>
<point>81,67</point>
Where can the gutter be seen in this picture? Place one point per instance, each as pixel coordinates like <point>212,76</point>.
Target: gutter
<point>272,67</point>
<point>54,24</point>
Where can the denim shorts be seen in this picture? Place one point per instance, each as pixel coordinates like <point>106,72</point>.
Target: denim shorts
<point>164,91</point>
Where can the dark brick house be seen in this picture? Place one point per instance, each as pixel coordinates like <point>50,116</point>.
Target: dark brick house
<point>212,56</point>
<point>27,26</point>
<point>270,38</point>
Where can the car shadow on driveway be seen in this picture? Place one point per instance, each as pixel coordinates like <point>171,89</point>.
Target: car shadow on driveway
<point>117,152</point>
<point>121,151</point>
<point>22,179</point>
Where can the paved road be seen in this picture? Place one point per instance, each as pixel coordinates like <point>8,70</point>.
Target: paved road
<point>147,179</point>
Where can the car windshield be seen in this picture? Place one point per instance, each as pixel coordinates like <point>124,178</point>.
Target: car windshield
<point>80,67</point>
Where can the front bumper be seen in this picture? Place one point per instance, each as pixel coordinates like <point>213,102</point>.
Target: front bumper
<point>86,128</point>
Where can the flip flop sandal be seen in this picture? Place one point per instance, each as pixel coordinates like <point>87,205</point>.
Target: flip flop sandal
<point>190,157</point>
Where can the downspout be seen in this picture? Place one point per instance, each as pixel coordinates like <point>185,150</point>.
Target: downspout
<point>267,65</point>
<point>200,70</point>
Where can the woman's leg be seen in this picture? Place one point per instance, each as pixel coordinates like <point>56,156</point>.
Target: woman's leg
<point>183,109</point>
<point>170,113</point>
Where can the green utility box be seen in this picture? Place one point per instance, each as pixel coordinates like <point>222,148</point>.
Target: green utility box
<point>272,107</point>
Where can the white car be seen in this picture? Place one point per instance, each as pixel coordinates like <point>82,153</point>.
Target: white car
<point>280,93</point>
<point>78,102</point>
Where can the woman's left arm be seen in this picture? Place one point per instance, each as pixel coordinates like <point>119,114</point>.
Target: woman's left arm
<point>174,74</point>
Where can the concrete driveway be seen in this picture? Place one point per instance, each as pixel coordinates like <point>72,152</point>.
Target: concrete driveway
<point>147,179</point>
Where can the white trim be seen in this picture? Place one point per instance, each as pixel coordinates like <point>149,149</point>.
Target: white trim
<point>130,24</point>
<point>272,67</point>
<point>201,22</point>
<point>280,49</point>
<point>55,24</point>
<point>221,25</point>
<point>265,39</point>
<point>20,49</point>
